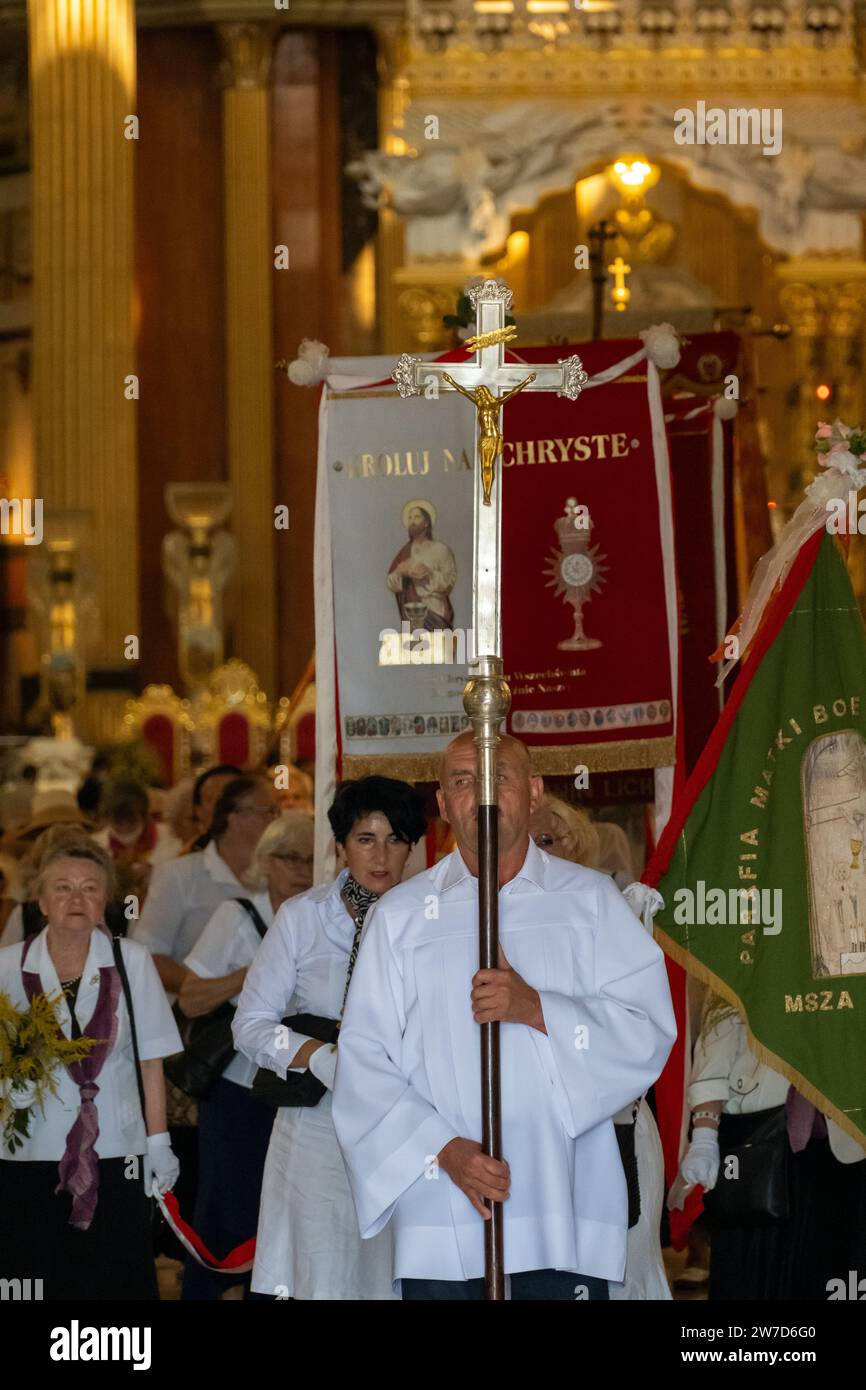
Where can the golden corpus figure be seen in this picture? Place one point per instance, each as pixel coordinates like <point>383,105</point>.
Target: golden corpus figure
<point>488,407</point>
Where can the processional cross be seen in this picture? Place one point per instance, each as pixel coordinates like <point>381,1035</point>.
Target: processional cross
<point>488,382</point>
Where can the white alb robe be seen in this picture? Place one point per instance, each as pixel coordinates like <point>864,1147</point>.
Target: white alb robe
<point>408,1071</point>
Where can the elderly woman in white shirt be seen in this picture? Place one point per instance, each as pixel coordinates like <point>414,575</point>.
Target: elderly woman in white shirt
<point>74,1208</point>
<point>308,1244</point>
<point>825,1233</point>
<point>233,1129</point>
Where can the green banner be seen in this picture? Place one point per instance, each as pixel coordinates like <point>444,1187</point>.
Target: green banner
<point>765,884</point>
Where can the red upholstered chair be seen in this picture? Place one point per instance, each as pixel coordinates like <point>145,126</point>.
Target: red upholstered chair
<point>233,739</point>
<point>162,719</point>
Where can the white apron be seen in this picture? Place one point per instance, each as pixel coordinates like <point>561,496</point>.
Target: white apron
<point>308,1244</point>
<point>645,1276</point>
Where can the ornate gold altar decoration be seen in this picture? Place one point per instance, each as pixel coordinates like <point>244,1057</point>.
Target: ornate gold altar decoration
<point>233,689</point>
<point>421,308</point>
<point>620,294</point>
<point>632,46</point>
<point>576,571</point>
<point>824,300</point>
<point>623,54</point>
<point>291,709</point>
<point>641,233</point>
<point>61,599</point>
<point>158,708</point>
<point>199,561</point>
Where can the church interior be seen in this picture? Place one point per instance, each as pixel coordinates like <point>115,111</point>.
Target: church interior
<point>305,128</point>
<point>208,206</point>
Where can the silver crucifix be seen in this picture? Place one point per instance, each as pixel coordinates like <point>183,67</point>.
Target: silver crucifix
<point>488,382</point>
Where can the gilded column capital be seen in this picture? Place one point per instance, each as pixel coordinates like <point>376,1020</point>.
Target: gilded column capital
<point>803,305</point>
<point>247,53</point>
<point>846,309</point>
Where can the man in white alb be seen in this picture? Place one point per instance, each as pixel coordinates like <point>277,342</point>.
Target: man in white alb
<point>587,1024</point>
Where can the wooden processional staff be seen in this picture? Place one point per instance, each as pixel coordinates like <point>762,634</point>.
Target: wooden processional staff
<point>488,382</point>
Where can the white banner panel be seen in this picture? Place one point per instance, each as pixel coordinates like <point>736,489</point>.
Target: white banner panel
<point>400,502</point>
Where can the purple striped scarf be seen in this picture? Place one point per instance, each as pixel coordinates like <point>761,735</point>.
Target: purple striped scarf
<point>79,1166</point>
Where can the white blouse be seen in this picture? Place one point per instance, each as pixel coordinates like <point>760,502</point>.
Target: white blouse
<point>300,967</point>
<point>183,894</point>
<point>725,1068</point>
<point>228,943</point>
<point>121,1125</point>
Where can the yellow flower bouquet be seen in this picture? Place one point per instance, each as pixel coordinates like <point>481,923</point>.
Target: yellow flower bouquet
<point>32,1049</point>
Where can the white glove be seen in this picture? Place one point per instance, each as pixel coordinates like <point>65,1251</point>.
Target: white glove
<point>323,1065</point>
<point>161,1167</point>
<point>701,1162</point>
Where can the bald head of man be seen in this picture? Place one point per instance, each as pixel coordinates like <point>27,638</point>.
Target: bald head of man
<point>518,793</point>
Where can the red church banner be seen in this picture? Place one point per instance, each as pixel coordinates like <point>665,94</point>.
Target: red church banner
<point>588,595</point>
<point>701,475</point>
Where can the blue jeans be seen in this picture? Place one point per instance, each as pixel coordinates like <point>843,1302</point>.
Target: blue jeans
<point>538,1285</point>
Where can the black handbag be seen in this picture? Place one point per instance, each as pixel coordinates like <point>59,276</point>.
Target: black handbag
<point>625,1138</point>
<point>757,1192</point>
<point>298,1088</point>
<point>208,1045</point>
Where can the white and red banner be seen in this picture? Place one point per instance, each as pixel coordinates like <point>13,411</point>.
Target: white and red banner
<point>589,612</point>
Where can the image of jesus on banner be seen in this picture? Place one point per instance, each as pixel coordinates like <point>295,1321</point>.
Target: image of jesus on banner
<point>423,573</point>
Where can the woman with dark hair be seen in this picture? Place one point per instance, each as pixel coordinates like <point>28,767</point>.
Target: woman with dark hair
<point>207,789</point>
<point>308,1244</point>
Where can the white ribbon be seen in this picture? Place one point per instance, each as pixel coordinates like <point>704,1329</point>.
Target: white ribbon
<point>337,373</point>
<point>644,902</point>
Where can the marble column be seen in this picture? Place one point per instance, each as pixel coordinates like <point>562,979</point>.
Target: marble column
<point>250,242</point>
<point>82,82</point>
